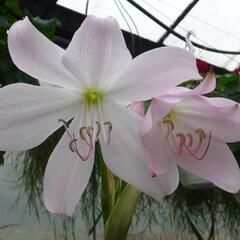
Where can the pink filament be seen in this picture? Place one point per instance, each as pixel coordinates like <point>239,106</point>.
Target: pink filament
<point>182,141</point>
<point>76,150</point>
<point>193,154</point>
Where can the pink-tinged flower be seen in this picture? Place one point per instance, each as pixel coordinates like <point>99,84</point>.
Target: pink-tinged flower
<point>186,129</point>
<point>89,80</point>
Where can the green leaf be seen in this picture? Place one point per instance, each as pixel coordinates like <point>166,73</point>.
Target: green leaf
<point>146,105</point>
<point>47,27</point>
<point>121,216</point>
<point>190,181</point>
<point>4,22</point>
<point>13,5</point>
<point>106,196</point>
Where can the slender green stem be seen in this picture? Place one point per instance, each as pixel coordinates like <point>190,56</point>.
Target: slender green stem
<point>106,196</point>
<point>120,219</point>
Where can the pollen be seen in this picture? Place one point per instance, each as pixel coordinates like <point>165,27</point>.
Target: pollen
<point>92,96</point>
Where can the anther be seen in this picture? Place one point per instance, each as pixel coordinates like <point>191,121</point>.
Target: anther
<point>81,132</point>
<point>89,131</point>
<point>168,121</point>
<point>65,124</point>
<point>109,124</point>
<point>190,143</point>
<point>182,138</point>
<point>201,133</point>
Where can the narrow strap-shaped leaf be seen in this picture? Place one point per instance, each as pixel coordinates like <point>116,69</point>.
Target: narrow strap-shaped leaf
<point>106,196</point>
<point>121,216</point>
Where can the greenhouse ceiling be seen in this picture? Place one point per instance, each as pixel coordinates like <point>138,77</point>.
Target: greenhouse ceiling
<point>213,24</point>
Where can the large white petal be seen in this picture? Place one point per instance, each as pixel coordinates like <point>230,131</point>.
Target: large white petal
<point>34,54</point>
<point>207,85</point>
<point>153,73</point>
<point>97,53</point>
<point>66,176</point>
<point>29,114</point>
<point>218,166</point>
<point>125,155</point>
<point>200,112</point>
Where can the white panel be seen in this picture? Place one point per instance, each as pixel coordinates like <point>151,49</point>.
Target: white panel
<point>216,25</point>
<point>145,27</point>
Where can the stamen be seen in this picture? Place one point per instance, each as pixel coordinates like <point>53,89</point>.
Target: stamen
<point>84,136</point>
<point>75,148</point>
<point>201,134</point>
<point>98,129</point>
<point>169,121</point>
<point>193,154</point>
<point>170,124</point>
<point>182,140</point>
<point>65,124</point>
<point>109,124</point>
<point>72,148</point>
<point>89,131</point>
<point>163,130</point>
<point>81,133</point>
<point>190,143</point>
<point>101,122</point>
<point>95,127</point>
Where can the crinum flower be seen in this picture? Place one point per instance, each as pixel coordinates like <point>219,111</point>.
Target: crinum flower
<point>90,82</point>
<point>184,128</point>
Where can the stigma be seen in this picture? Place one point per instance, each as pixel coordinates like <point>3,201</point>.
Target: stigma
<point>92,96</point>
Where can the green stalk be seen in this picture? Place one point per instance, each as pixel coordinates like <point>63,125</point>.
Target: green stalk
<point>106,195</point>
<point>119,221</point>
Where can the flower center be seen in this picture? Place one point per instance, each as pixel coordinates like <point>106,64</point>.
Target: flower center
<point>92,125</point>
<point>196,143</point>
<point>92,96</point>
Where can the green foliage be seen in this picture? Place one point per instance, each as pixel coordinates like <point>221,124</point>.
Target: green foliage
<point>47,27</point>
<point>13,6</point>
<point>228,85</point>
<point>121,215</point>
<point>10,12</point>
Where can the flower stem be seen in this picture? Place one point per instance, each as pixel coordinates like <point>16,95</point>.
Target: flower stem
<point>106,196</point>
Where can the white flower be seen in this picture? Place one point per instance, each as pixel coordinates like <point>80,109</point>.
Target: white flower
<point>93,76</point>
